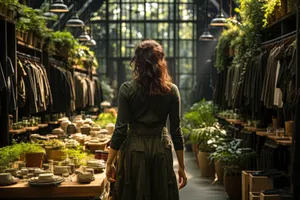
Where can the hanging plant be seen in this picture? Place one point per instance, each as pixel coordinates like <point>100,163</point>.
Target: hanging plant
<point>269,8</point>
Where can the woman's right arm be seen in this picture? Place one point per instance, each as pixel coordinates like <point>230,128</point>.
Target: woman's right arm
<point>177,137</point>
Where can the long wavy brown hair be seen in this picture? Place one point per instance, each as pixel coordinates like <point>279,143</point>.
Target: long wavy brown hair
<point>150,67</point>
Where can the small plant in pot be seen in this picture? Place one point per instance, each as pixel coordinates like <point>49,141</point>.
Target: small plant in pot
<point>233,158</point>
<point>200,115</point>
<point>205,139</point>
<point>54,149</point>
<point>34,154</point>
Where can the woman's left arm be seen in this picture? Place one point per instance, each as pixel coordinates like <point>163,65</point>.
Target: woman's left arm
<point>120,132</point>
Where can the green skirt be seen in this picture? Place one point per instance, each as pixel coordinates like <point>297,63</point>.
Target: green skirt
<point>145,167</point>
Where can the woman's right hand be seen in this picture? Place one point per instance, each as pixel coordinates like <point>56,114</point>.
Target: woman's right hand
<point>110,172</point>
<point>182,178</point>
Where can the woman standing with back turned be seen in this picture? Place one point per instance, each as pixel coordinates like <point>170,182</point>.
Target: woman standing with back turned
<point>145,167</point>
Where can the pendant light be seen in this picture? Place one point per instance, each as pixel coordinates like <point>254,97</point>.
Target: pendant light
<point>84,37</point>
<point>74,21</point>
<point>206,36</point>
<point>219,20</point>
<point>91,42</point>
<point>59,7</point>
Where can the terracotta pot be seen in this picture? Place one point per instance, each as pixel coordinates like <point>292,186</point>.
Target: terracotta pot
<point>289,127</point>
<point>55,155</point>
<point>219,171</point>
<point>233,187</point>
<point>205,165</point>
<point>34,159</point>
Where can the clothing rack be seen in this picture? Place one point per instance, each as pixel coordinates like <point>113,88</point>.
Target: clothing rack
<point>26,56</point>
<point>57,62</point>
<point>280,39</point>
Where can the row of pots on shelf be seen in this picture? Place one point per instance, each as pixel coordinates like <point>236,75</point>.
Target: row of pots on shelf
<point>8,11</point>
<point>29,38</point>
<point>232,183</point>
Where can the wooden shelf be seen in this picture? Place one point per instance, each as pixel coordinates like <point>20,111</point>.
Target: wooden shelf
<point>285,142</point>
<point>263,133</point>
<point>29,46</point>
<point>235,121</point>
<point>30,129</point>
<point>43,125</point>
<point>274,137</point>
<point>253,129</point>
<point>290,15</point>
<point>18,131</point>
<point>7,19</point>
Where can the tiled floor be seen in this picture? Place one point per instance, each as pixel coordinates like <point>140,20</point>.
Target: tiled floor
<point>199,188</point>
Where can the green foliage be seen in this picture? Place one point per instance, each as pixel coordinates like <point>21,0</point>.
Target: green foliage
<point>105,118</point>
<point>54,144</point>
<point>224,43</point>
<point>83,55</point>
<point>78,153</point>
<point>207,137</point>
<point>12,153</point>
<point>232,155</point>
<point>108,91</point>
<point>269,8</point>
<point>32,20</point>
<point>61,40</point>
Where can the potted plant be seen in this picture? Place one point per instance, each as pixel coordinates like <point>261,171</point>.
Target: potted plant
<point>205,138</point>
<point>54,149</point>
<point>200,115</point>
<point>233,158</point>
<point>34,154</point>
<point>79,155</point>
<point>61,43</point>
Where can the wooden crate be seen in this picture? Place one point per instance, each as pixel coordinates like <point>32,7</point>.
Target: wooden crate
<point>269,197</point>
<point>254,196</point>
<point>245,184</point>
<point>259,183</point>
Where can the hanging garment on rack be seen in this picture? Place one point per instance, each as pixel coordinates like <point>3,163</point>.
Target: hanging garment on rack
<point>11,87</point>
<point>98,92</point>
<point>81,88</point>
<point>63,90</point>
<point>37,88</point>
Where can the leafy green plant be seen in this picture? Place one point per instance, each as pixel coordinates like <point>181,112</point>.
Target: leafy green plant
<point>106,118</point>
<point>207,137</point>
<point>78,153</point>
<point>232,155</point>
<point>12,153</point>
<point>269,8</point>
<point>60,40</point>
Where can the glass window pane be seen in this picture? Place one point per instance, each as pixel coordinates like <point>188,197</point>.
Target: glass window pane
<point>186,81</point>
<point>185,30</point>
<point>99,31</point>
<point>185,11</point>
<point>151,30</point>
<point>114,11</point>
<point>137,30</point>
<point>186,66</point>
<point>151,10</point>
<point>113,48</point>
<point>185,48</point>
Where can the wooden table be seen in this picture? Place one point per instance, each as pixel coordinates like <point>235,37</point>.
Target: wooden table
<point>54,122</point>
<point>66,189</point>
<point>18,131</point>
<point>264,133</point>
